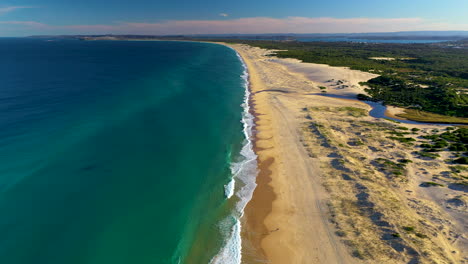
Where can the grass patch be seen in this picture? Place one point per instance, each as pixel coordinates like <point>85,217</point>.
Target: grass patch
<point>458,169</point>
<point>340,233</point>
<point>394,121</point>
<point>462,160</point>
<point>428,184</point>
<point>356,142</point>
<point>358,254</point>
<point>407,140</point>
<point>405,161</point>
<point>411,229</point>
<point>426,154</point>
<point>422,116</point>
<point>402,128</point>
<point>396,169</point>
<point>420,235</point>
<point>399,134</point>
<point>408,228</point>
<point>455,140</point>
<point>353,111</point>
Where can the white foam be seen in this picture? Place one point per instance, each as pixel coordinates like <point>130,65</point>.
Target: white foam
<point>229,188</point>
<point>245,170</point>
<point>231,252</point>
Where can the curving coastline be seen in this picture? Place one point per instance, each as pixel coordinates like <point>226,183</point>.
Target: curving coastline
<point>310,208</point>
<point>243,181</point>
<point>280,225</point>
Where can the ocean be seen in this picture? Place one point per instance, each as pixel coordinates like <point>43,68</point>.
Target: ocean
<point>122,152</point>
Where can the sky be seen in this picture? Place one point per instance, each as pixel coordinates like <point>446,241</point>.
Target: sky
<point>162,17</point>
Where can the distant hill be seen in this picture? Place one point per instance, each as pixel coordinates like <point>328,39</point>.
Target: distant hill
<point>443,35</point>
<point>404,35</point>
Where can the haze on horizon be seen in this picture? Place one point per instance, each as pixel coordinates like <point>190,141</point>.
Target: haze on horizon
<point>40,17</point>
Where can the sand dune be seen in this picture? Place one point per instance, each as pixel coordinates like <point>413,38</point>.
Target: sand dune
<point>324,192</point>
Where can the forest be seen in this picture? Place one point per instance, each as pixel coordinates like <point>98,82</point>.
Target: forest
<point>428,77</point>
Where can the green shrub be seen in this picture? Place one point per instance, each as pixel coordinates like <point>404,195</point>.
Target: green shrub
<point>405,161</point>
<point>457,169</point>
<point>364,97</point>
<point>403,139</point>
<point>462,160</point>
<point>420,235</point>
<point>432,184</point>
<point>426,154</point>
<point>402,128</point>
<point>458,147</point>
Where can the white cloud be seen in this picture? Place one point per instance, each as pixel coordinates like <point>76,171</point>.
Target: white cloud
<point>25,23</point>
<point>252,25</point>
<point>8,9</point>
<point>223,14</point>
<point>256,25</point>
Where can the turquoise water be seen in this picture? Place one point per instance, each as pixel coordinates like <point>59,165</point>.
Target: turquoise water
<point>118,152</point>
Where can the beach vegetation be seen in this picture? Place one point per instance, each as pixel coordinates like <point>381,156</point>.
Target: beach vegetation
<point>393,121</point>
<point>399,134</point>
<point>420,235</point>
<point>434,81</point>
<point>406,140</point>
<point>458,147</point>
<point>461,160</point>
<point>429,183</point>
<point>353,111</point>
<point>423,116</point>
<point>408,228</point>
<point>454,140</point>
<point>390,167</point>
<point>364,97</point>
<point>357,254</point>
<point>426,154</point>
<point>458,169</point>
<point>405,161</point>
<point>340,233</point>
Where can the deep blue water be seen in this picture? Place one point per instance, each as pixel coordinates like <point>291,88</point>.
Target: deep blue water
<point>116,152</point>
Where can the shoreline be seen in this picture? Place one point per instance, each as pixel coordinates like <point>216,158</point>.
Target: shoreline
<point>302,210</point>
<point>317,173</point>
<point>243,172</point>
<point>272,232</point>
<point>260,205</point>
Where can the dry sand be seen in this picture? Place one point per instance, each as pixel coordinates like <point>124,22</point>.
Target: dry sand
<point>323,195</point>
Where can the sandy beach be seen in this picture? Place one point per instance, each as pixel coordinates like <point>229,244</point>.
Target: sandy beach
<point>321,195</point>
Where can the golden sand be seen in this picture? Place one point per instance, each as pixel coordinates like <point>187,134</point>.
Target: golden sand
<point>307,208</point>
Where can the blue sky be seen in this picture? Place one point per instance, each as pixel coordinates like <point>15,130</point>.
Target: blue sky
<point>27,17</point>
